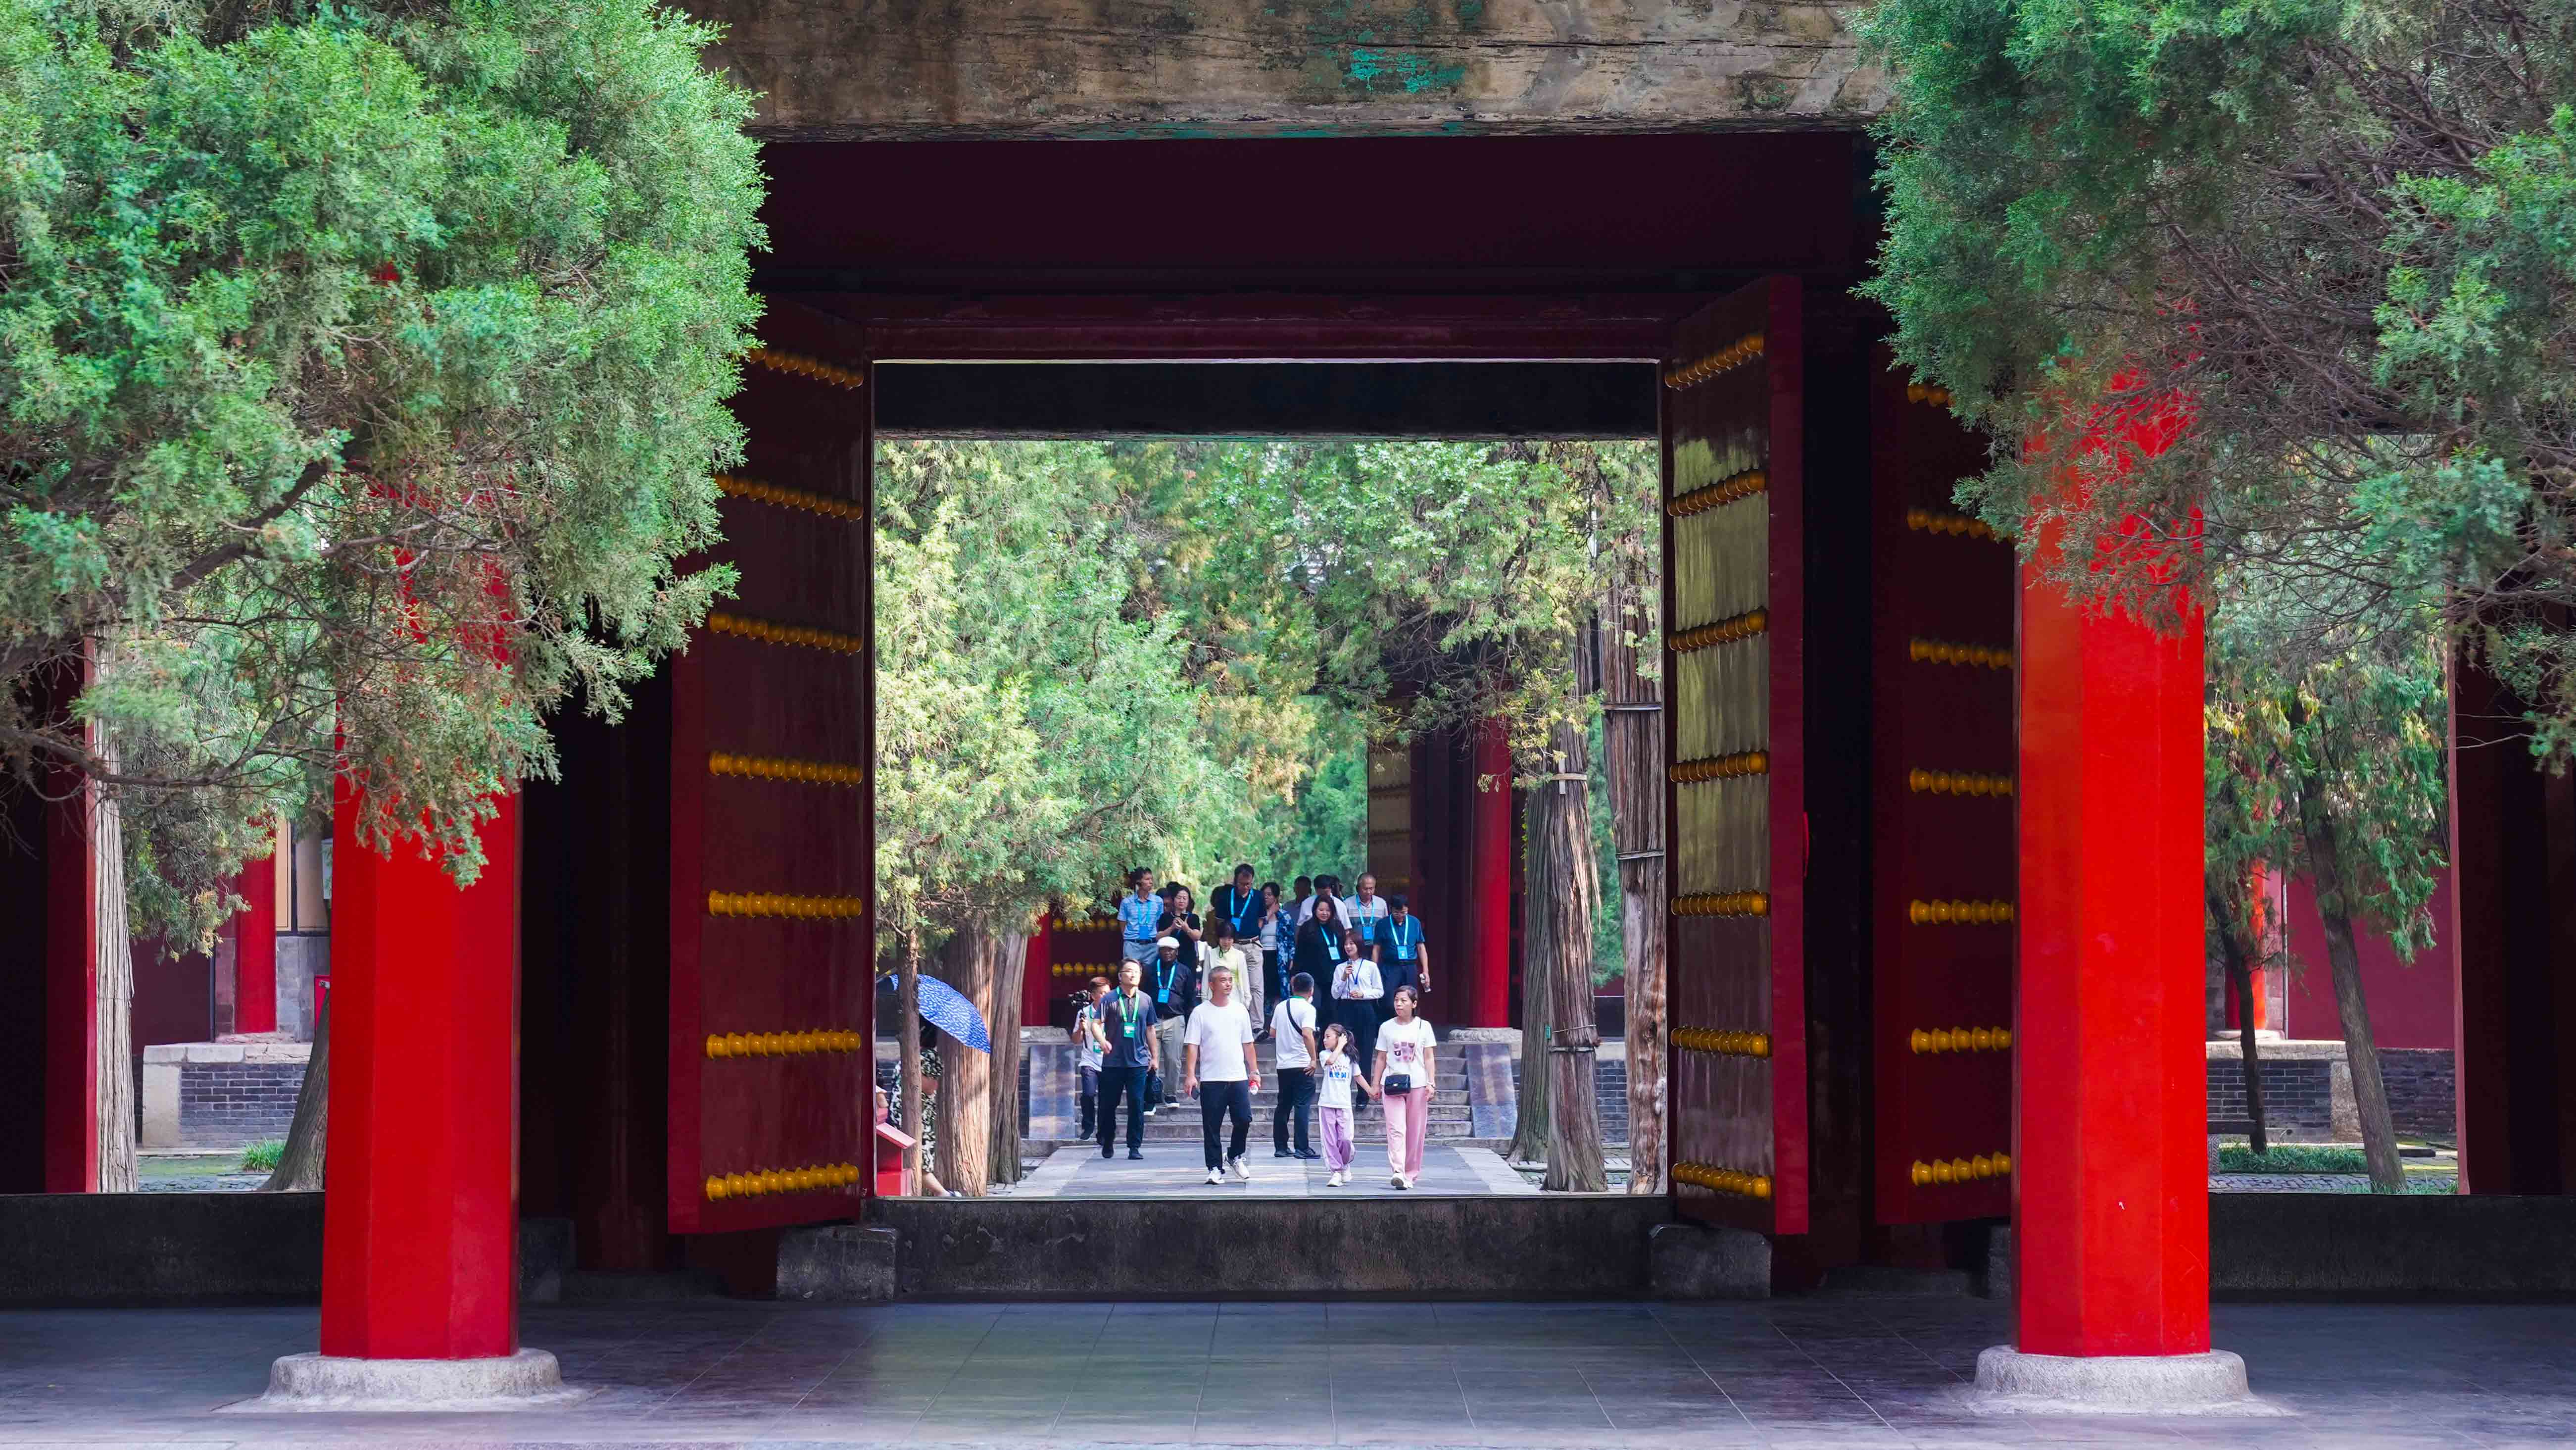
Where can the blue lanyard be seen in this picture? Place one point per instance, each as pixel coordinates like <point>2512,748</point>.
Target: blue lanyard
<point>1406,934</point>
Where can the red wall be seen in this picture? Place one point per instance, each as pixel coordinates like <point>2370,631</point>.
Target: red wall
<point>2410,1002</point>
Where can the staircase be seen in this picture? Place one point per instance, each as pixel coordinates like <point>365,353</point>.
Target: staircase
<point>1450,1114</point>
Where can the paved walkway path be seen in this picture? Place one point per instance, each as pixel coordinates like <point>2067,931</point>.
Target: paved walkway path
<point>1179,1170</point>
<point>1818,1371</point>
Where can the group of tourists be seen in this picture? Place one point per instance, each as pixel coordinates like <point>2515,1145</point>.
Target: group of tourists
<point>1185,1016</point>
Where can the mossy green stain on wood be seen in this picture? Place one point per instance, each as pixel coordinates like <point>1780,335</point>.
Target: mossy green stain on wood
<point>1353,47</point>
<point>1375,71</point>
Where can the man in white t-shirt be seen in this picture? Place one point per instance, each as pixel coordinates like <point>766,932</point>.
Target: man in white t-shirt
<point>1219,1066</point>
<point>1292,1033</point>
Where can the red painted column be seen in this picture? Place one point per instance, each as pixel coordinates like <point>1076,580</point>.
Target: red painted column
<point>2110,1178</point>
<point>1489,887</point>
<point>255,949</point>
<point>1037,975</point>
<point>420,1224</point>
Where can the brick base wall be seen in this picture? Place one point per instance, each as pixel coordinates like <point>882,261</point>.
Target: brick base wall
<point>2302,1082</point>
<point>2422,1093</point>
<point>2298,1098</point>
<point>212,1096</point>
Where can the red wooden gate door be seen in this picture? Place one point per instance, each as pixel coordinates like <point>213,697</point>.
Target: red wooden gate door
<point>1943,803</point>
<point>772,824</point>
<point>1733,406</point>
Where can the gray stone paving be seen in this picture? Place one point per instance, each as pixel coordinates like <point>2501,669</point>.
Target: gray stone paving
<point>2325,1183</point>
<point>1177,1170</point>
<point>1819,1371</point>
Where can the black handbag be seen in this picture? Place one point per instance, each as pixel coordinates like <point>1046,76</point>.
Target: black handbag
<point>1398,1084</point>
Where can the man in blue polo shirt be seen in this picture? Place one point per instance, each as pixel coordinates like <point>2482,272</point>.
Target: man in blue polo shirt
<point>1138,914</point>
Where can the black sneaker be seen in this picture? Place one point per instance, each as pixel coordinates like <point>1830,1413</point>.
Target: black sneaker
<point>1310,1154</point>
<point>1108,1152</point>
<point>1281,1153</point>
<point>1136,1156</point>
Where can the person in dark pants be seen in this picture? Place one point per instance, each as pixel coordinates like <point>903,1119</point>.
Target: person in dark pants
<point>1405,959</point>
<point>1238,905</point>
<point>1278,938</point>
<point>1220,1068</point>
<point>1090,1049</point>
<point>1127,1021</point>
<point>1292,1036</point>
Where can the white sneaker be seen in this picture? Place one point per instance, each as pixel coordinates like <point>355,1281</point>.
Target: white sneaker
<point>1242,1171</point>
<point>1216,1175</point>
<point>1333,1182</point>
<point>1397,1179</point>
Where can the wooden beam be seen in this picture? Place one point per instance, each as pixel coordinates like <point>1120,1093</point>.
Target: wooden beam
<point>1126,69</point>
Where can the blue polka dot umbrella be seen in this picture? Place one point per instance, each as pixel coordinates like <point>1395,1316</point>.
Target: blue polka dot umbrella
<point>946,1008</point>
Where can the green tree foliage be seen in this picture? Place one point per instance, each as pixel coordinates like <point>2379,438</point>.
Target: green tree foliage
<point>363,370</point>
<point>1447,582</point>
<point>2330,236</point>
<point>1037,729</point>
<point>1217,626</point>
<point>2334,768</point>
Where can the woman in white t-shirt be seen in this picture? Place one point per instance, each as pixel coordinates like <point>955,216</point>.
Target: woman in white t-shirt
<point>1358,989</point>
<point>1404,1077</point>
<point>1335,1072</point>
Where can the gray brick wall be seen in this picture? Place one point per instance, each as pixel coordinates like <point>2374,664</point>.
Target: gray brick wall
<point>2297,1093</point>
<point>2298,1098</point>
<point>2421,1090</point>
<point>228,1104</point>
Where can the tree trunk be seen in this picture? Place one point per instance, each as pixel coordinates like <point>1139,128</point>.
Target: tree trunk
<point>1633,743</point>
<point>965,1110</point>
<point>1010,970</point>
<point>1530,1127</point>
<point>907,1011</point>
<point>1564,895</point>
<point>2239,974</point>
<point>115,985</point>
<point>299,1166</point>
<point>2360,1049</point>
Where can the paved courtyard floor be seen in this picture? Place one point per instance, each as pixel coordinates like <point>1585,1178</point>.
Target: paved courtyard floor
<point>1179,1170</point>
<point>1824,1371</point>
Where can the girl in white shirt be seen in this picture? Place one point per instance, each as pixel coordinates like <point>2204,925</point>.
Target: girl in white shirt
<point>1335,1072</point>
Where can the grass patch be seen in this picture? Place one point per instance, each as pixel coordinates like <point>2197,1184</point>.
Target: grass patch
<point>2290,1158</point>
<point>262,1156</point>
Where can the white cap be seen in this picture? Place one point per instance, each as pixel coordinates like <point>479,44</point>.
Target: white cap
<point>1170,941</point>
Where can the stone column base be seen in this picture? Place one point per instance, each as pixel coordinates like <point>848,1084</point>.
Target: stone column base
<point>2115,1384</point>
<point>527,1380</point>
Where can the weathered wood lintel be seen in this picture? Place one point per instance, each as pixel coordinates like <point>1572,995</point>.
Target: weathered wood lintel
<point>1137,69</point>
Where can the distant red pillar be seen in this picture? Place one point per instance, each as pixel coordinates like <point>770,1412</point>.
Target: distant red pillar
<point>255,948</point>
<point>420,1224</point>
<point>1037,977</point>
<point>1488,964</point>
<point>2110,1177</point>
